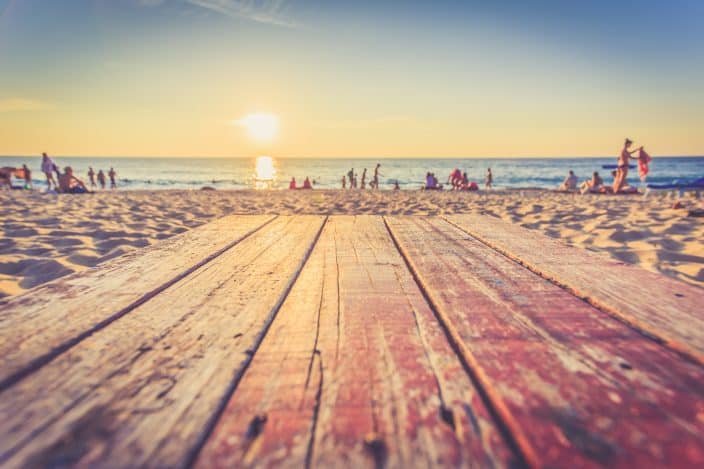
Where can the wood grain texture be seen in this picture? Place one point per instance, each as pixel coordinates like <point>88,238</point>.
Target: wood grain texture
<point>144,390</point>
<point>576,387</point>
<point>661,307</point>
<point>355,372</point>
<point>46,320</point>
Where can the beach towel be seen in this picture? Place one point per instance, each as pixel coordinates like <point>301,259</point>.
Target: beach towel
<point>643,160</point>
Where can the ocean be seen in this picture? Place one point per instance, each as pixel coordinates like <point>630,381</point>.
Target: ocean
<point>242,173</point>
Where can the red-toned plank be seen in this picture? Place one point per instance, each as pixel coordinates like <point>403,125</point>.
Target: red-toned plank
<point>657,305</point>
<point>355,370</point>
<point>576,387</point>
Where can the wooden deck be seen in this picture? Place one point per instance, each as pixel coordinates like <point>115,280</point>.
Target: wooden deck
<point>311,341</point>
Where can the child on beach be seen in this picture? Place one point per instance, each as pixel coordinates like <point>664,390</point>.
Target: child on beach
<point>27,177</point>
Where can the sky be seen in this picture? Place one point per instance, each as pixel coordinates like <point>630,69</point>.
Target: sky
<point>443,78</point>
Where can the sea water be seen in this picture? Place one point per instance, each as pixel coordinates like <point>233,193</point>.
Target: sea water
<point>244,173</point>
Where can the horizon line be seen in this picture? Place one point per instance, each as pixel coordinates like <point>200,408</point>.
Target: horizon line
<point>345,157</point>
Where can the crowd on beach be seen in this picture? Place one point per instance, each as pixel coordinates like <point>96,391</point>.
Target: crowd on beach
<point>65,182</point>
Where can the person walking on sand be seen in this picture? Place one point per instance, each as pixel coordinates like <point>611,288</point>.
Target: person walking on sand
<point>48,170</point>
<point>91,176</point>
<point>350,175</point>
<point>375,181</point>
<point>622,166</point>
<point>112,175</point>
<point>27,177</point>
<point>101,179</point>
<point>344,183</point>
<point>364,179</point>
<point>489,180</point>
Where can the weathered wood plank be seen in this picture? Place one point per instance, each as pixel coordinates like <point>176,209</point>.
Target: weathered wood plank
<point>659,306</point>
<point>41,323</point>
<point>144,390</point>
<point>576,387</point>
<point>355,370</point>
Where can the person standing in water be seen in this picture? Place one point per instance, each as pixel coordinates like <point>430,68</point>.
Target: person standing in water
<point>101,179</point>
<point>91,176</point>
<point>489,180</point>
<point>48,170</point>
<point>112,175</point>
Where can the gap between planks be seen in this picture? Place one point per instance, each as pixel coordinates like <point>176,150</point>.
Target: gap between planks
<point>671,339</point>
<point>42,359</point>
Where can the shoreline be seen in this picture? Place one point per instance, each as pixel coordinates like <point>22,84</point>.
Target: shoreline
<point>45,236</point>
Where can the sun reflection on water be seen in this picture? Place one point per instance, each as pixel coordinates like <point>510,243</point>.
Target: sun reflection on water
<point>264,173</point>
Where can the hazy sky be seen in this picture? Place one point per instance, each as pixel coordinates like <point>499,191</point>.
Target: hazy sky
<point>358,78</point>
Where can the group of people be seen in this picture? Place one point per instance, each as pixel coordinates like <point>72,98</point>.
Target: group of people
<point>68,183</point>
<point>306,184</point>
<point>352,178</point>
<point>620,185</point>
<point>458,181</point>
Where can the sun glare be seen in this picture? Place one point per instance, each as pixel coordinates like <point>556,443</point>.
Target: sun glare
<point>260,126</point>
<point>264,172</point>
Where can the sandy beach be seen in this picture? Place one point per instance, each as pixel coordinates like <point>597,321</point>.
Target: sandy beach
<point>46,236</point>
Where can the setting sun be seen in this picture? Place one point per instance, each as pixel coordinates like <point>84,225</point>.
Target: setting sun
<point>260,126</point>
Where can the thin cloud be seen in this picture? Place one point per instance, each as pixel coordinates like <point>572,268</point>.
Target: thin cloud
<point>260,11</point>
<point>21,104</point>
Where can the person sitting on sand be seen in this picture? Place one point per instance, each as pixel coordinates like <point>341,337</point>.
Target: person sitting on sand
<point>91,176</point>
<point>292,184</point>
<point>48,170</point>
<point>593,185</point>
<point>70,184</point>
<point>27,177</point>
<point>431,182</point>
<point>112,175</point>
<point>489,179</point>
<point>344,183</point>
<point>455,179</point>
<point>622,167</point>
<point>570,182</point>
<point>101,179</point>
<point>307,184</point>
